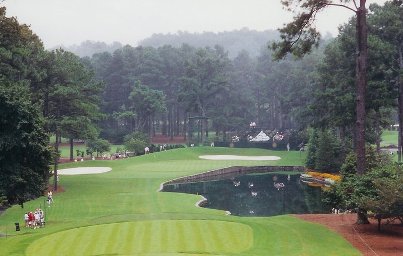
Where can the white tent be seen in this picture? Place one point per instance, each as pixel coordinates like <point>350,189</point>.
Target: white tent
<point>261,137</point>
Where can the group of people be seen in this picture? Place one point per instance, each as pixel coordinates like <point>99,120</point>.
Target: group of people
<point>35,219</point>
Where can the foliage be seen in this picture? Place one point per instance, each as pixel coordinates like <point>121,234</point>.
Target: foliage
<point>24,155</point>
<point>312,148</point>
<point>98,146</point>
<point>20,51</point>
<point>387,199</point>
<point>329,154</point>
<point>377,191</point>
<point>299,36</point>
<point>136,142</point>
<point>321,175</point>
<point>145,102</point>
<point>324,151</point>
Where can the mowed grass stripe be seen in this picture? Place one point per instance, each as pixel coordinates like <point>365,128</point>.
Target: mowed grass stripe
<point>89,247</point>
<point>77,240</point>
<point>116,231</point>
<point>199,232</point>
<point>191,237</point>
<point>102,238</point>
<point>187,236</point>
<point>137,240</point>
<point>164,236</point>
<point>177,234</point>
<point>126,243</point>
<point>146,237</point>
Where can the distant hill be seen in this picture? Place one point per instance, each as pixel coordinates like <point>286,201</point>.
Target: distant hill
<point>88,48</point>
<point>232,41</point>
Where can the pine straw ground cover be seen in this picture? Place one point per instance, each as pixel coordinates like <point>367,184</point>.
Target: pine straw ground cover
<point>366,238</point>
<point>121,213</point>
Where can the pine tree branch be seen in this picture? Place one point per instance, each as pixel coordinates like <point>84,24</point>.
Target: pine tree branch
<point>344,6</point>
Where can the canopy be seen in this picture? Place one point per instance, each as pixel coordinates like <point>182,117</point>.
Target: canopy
<point>261,137</point>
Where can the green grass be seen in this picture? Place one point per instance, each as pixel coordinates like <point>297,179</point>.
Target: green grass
<point>121,213</point>
<point>159,236</point>
<point>389,138</point>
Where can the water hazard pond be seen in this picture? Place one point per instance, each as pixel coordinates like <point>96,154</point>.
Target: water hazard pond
<point>266,194</point>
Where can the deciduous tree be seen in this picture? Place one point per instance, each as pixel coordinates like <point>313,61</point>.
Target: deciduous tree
<point>24,152</point>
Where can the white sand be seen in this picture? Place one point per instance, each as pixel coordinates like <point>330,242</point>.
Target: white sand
<point>83,170</point>
<point>233,157</point>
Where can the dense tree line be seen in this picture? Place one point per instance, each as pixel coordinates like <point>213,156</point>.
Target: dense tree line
<point>200,82</point>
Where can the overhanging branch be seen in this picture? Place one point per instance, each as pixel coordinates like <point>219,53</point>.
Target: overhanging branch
<point>344,6</point>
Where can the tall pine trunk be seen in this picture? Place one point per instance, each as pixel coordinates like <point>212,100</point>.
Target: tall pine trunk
<point>400,100</point>
<point>378,130</point>
<point>71,140</point>
<point>171,126</point>
<point>56,162</point>
<point>361,83</point>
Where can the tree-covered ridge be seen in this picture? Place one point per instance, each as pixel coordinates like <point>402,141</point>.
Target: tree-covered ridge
<point>233,41</point>
<point>89,48</point>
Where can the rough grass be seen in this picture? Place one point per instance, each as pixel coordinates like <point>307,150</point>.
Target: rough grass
<point>121,213</point>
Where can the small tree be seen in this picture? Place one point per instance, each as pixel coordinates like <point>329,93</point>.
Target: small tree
<point>387,197</point>
<point>328,152</point>
<point>312,147</point>
<point>360,192</point>
<point>98,145</point>
<point>136,142</point>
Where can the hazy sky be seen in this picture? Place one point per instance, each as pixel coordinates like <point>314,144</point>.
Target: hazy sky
<point>69,22</point>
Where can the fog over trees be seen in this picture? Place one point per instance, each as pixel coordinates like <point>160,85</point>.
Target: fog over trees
<point>233,41</point>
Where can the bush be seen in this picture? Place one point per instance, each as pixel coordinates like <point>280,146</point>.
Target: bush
<point>136,142</point>
<point>98,145</point>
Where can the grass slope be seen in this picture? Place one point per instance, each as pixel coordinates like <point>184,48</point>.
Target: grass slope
<point>121,213</point>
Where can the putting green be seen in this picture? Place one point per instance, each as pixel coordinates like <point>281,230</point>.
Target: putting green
<point>160,237</point>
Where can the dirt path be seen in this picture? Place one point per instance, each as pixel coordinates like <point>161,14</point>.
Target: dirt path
<point>366,238</point>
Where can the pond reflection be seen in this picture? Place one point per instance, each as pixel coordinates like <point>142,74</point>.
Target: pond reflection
<point>256,195</point>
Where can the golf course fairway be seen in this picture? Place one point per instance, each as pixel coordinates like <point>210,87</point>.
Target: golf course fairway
<point>121,212</point>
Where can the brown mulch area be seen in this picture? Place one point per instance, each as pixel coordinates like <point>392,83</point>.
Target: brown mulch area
<point>60,189</point>
<point>365,238</point>
<point>161,139</point>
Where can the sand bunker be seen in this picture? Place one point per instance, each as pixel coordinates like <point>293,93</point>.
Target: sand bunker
<point>233,157</point>
<point>83,170</point>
